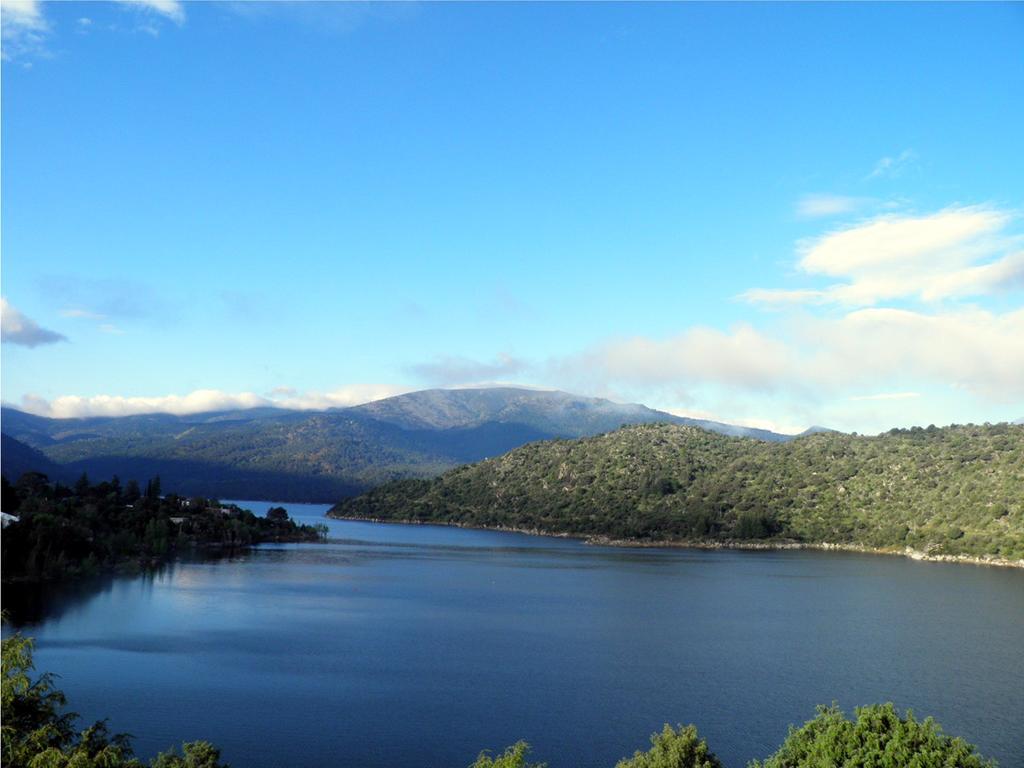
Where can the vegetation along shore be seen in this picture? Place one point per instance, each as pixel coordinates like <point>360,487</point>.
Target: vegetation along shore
<point>766,546</point>
<point>57,532</point>
<point>952,494</point>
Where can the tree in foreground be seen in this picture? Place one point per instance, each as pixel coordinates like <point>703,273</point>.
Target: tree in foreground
<point>195,754</point>
<point>35,733</point>
<point>512,757</point>
<point>681,748</point>
<point>877,737</point>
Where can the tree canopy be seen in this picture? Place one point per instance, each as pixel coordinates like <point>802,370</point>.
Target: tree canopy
<point>681,748</point>
<point>877,737</point>
<point>512,757</point>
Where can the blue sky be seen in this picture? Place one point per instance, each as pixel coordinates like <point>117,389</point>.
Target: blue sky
<point>769,214</point>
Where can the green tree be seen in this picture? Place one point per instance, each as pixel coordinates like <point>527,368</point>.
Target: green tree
<point>131,492</point>
<point>196,754</point>
<point>30,716</point>
<point>877,736</point>
<point>93,748</point>
<point>36,733</point>
<point>682,748</point>
<point>512,757</point>
<point>277,513</point>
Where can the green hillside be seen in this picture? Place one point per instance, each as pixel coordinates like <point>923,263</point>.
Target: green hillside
<point>951,491</point>
<point>16,459</point>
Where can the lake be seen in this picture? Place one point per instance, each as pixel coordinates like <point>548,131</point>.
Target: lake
<point>415,646</point>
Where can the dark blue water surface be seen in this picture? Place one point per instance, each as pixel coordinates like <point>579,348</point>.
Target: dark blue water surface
<point>418,646</point>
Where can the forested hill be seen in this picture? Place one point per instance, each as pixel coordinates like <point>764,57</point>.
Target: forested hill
<point>272,453</point>
<point>956,490</point>
<point>18,458</point>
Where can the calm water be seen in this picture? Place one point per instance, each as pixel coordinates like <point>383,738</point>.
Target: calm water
<point>407,646</point>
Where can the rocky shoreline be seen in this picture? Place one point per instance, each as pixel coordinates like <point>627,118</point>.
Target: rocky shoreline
<point>607,541</point>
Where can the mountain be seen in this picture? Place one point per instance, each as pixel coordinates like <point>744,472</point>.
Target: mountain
<point>16,459</point>
<point>325,455</point>
<point>956,490</point>
<point>556,414</point>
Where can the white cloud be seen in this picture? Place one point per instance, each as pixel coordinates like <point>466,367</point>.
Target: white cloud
<point>886,396</point>
<point>16,328</point>
<point>203,400</point>
<point>772,425</point>
<point>26,14</point>
<point>1003,274</point>
<point>23,28</point>
<point>74,406</point>
<point>969,349</point>
<point>816,206</point>
<point>955,252</point>
<point>888,241</point>
<point>815,359</point>
<point>342,397</point>
<point>171,9</point>
<point>743,358</point>
<point>874,357</point>
<point>893,167</point>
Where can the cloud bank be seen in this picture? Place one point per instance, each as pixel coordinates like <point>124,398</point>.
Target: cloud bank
<point>972,350</point>
<point>204,400</point>
<point>896,318</point>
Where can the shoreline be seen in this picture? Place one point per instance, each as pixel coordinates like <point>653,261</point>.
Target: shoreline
<point>768,546</point>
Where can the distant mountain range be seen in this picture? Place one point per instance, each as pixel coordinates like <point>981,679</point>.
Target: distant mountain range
<point>290,455</point>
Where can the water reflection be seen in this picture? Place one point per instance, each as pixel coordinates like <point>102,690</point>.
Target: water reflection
<point>28,605</point>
